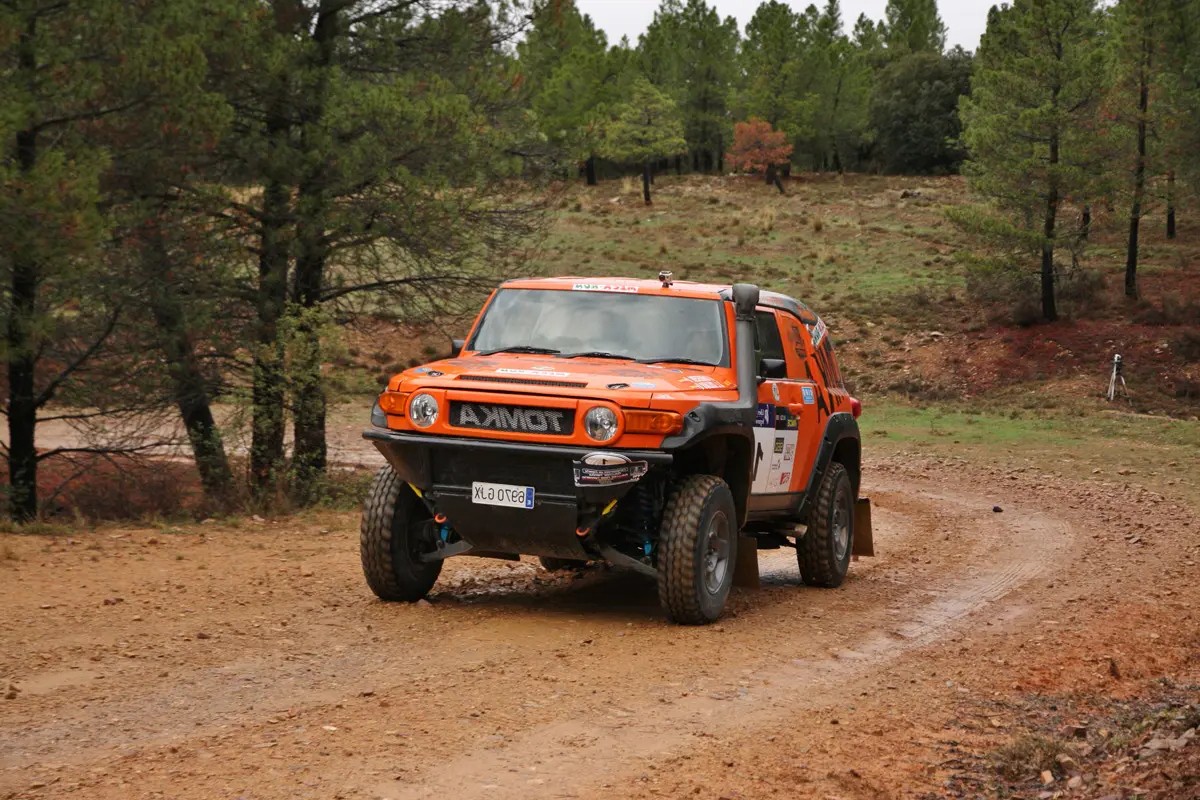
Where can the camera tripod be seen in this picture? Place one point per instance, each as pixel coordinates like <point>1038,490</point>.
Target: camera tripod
<point>1117,380</point>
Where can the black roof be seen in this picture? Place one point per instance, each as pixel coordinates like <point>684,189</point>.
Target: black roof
<point>781,302</point>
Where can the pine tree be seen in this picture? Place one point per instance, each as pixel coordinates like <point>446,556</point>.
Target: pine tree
<point>914,26</point>
<point>839,85</point>
<point>689,52</point>
<point>644,130</point>
<point>1138,101</point>
<point>775,39</point>
<point>77,75</point>
<point>571,78</point>
<point>1029,125</point>
<point>382,143</point>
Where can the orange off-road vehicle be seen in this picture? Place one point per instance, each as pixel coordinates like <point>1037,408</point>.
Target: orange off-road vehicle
<point>652,424</point>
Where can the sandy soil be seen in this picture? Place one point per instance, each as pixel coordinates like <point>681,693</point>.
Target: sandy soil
<point>252,661</point>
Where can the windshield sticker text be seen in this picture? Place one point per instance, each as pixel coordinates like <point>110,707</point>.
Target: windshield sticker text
<point>604,287</point>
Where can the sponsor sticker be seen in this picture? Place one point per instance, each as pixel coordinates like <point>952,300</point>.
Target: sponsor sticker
<point>785,479</point>
<point>704,382</point>
<point>775,391</point>
<point>541,373</point>
<point>643,385</point>
<point>778,445</point>
<point>817,332</point>
<point>765,418</point>
<point>605,287</point>
<point>610,474</point>
<point>789,452</point>
<point>810,395</point>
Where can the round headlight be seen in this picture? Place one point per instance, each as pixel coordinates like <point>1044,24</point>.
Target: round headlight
<point>600,423</point>
<point>423,410</point>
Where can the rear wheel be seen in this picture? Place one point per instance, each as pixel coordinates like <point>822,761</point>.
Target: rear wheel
<point>824,551</point>
<point>697,549</point>
<point>396,530</point>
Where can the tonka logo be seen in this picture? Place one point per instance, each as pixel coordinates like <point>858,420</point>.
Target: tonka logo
<point>510,418</point>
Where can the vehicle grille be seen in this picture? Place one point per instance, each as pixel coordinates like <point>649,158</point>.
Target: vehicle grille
<point>515,419</point>
<point>528,381</point>
<point>549,474</point>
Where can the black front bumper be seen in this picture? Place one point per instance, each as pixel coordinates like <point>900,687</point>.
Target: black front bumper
<point>445,467</point>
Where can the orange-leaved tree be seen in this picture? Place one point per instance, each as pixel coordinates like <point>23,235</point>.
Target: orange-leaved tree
<point>757,147</point>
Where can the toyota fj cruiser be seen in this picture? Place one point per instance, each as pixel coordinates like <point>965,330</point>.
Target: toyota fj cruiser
<point>656,425</point>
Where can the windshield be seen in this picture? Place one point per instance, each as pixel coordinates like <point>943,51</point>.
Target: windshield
<point>605,324</point>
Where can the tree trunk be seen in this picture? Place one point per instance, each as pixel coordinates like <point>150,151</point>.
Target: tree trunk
<point>1085,223</point>
<point>268,393</point>
<point>778,183</point>
<point>1171,204</point>
<point>310,454</point>
<point>769,175</point>
<point>646,182</point>
<point>1139,176</point>
<point>22,403</point>
<point>22,354</point>
<point>189,389</point>
<point>720,155</point>
<point>589,168</point>
<point>1049,307</point>
<point>678,165</point>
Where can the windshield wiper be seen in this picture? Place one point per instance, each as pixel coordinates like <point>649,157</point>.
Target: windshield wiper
<point>675,360</point>
<point>596,354</point>
<point>521,348</point>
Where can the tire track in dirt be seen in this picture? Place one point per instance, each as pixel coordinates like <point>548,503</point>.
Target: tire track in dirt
<point>650,732</point>
<point>467,696</point>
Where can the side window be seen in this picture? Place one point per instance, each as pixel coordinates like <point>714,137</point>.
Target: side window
<point>769,343</point>
<point>797,350</point>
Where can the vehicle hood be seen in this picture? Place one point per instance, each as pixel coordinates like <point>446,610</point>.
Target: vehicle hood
<point>561,375</point>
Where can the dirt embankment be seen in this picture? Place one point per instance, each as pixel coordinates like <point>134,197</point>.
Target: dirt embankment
<point>252,662</point>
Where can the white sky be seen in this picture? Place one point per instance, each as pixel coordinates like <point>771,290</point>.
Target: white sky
<point>965,19</point>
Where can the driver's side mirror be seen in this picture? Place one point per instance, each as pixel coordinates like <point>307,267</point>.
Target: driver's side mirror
<point>772,369</point>
<point>456,346</point>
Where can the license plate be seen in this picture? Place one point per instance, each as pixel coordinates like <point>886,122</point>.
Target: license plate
<point>502,494</point>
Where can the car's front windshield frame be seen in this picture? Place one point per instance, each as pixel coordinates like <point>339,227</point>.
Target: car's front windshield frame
<point>627,311</point>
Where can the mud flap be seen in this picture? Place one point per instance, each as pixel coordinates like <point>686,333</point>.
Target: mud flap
<point>864,540</point>
<point>745,570</point>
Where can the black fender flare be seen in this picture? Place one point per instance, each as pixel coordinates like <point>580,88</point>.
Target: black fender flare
<point>840,428</point>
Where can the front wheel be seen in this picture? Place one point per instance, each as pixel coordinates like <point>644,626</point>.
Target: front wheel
<point>697,548</point>
<point>824,550</point>
<point>396,530</point>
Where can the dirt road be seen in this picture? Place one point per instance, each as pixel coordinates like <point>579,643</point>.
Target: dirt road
<point>252,662</point>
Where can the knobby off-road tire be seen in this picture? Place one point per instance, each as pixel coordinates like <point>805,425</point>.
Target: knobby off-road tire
<point>552,564</point>
<point>393,521</point>
<point>824,551</point>
<point>697,548</point>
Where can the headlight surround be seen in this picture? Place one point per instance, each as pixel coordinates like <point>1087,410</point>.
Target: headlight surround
<point>600,423</point>
<point>423,410</point>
